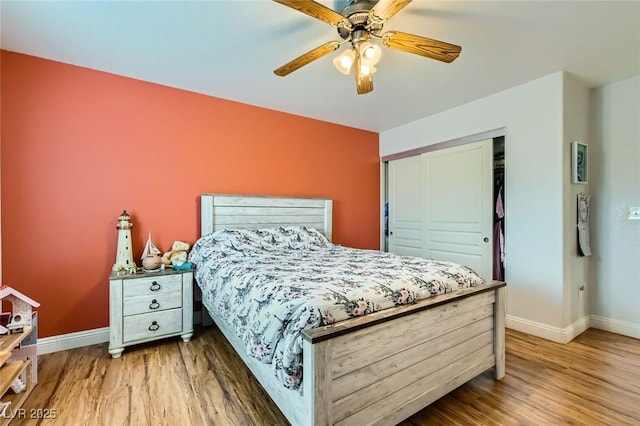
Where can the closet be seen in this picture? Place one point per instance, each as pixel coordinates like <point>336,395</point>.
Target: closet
<point>442,204</point>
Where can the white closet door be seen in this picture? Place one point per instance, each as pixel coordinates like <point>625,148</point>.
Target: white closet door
<point>406,219</point>
<point>458,205</point>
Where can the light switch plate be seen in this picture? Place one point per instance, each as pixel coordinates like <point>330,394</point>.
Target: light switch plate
<point>634,213</point>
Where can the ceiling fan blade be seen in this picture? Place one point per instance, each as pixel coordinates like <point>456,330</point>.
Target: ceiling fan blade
<point>428,47</point>
<point>364,81</point>
<point>385,9</point>
<point>315,10</point>
<point>422,46</point>
<point>308,57</point>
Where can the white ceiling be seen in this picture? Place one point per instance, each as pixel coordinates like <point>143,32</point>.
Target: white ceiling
<point>229,49</point>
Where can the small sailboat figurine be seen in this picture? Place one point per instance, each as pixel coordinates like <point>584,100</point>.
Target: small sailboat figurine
<point>151,256</point>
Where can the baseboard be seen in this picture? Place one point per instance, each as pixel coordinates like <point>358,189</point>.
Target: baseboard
<point>63,342</point>
<point>615,326</point>
<point>577,328</point>
<point>79,339</point>
<point>555,334</point>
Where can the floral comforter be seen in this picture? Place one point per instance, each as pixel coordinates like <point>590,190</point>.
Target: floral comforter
<point>270,284</point>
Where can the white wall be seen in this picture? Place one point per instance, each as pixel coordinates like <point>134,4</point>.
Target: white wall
<point>532,114</point>
<point>615,179</point>
<point>576,268</point>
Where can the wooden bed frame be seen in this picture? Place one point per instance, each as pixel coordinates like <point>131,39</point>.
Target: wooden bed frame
<point>380,368</point>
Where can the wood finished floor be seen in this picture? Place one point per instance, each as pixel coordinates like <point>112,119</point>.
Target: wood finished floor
<point>593,380</point>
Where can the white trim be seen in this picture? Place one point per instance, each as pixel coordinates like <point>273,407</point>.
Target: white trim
<point>490,134</point>
<point>615,326</point>
<point>79,339</point>
<point>62,342</point>
<point>577,328</point>
<point>555,334</point>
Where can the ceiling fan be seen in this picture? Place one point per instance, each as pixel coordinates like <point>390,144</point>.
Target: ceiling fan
<point>358,23</point>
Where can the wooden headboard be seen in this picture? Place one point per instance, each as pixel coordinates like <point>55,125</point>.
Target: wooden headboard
<point>219,211</point>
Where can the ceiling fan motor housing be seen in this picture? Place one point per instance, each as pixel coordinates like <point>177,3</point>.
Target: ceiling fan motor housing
<point>357,12</point>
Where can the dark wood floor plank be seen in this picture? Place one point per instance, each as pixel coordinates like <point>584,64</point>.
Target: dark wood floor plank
<point>595,379</point>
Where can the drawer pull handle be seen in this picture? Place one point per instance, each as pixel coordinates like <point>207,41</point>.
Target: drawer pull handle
<point>154,326</point>
<point>154,304</point>
<point>154,286</point>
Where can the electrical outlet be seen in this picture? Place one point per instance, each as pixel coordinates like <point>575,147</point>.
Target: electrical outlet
<point>634,213</point>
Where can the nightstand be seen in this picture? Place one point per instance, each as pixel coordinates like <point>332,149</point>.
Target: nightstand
<point>149,306</point>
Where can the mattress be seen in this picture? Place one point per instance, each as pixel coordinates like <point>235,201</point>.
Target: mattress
<point>269,285</point>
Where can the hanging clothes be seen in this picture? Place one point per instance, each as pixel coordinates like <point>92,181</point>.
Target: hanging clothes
<point>498,231</point>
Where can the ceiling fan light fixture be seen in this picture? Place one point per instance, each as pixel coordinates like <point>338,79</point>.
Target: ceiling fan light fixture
<point>367,69</point>
<point>344,61</point>
<point>371,53</point>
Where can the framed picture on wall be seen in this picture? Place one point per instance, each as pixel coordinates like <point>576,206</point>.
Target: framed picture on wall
<point>579,156</point>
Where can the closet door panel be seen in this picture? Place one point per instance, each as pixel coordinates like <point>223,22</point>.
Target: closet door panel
<point>406,218</point>
<point>458,217</point>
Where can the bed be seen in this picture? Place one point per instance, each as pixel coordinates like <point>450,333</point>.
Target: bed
<point>378,368</point>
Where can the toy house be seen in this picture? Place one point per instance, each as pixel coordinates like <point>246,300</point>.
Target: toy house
<point>18,348</point>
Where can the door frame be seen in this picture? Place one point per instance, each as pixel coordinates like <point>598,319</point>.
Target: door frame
<point>384,162</point>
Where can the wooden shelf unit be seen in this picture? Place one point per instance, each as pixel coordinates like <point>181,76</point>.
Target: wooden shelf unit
<point>4,356</point>
<point>10,341</point>
<point>17,399</point>
<point>18,351</point>
<point>10,370</point>
<point>8,373</point>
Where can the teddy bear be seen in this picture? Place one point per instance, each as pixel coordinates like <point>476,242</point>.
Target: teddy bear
<point>177,256</point>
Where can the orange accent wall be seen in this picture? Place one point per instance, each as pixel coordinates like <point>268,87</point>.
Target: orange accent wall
<point>79,146</point>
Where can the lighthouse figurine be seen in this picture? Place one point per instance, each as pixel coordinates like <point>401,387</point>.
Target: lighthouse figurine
<point>124,256</point>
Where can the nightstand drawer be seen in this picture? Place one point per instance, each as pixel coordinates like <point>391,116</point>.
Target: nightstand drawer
<point>147,303</point>
<point>154,324</point>
<point>154,286</point>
